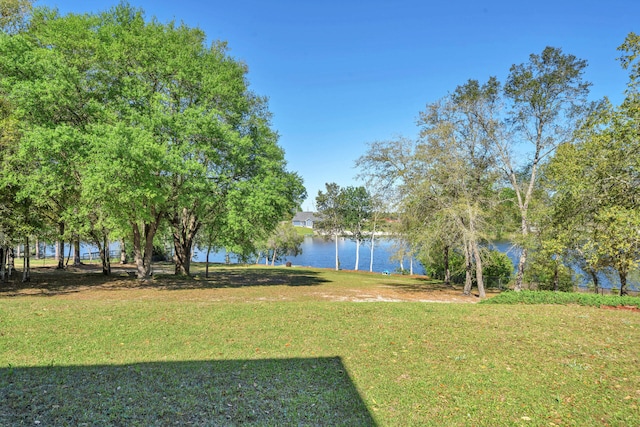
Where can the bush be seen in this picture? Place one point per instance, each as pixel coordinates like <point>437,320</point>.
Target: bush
<point>562,298</point>
<point>540,272</point>
<point>497,269</point>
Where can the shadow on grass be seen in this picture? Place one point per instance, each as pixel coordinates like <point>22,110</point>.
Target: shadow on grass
<point>49,281</point>
<point>423,285</point>
<point>239,277</point>
<point>435,287</point>
<point>310,391</point>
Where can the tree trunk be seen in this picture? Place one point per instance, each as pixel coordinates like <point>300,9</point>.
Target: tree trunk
<point>596,281</point>
<point>123,252</point>
<point>10,261</point>
<point>26,265</point>
<point>144,254</point>
<point>273,258</point>
<point>623,282</point>
<point>468,283</point>
<point>206,268</point>
<point>37,248</point>
<point>337,259</point>
<point>60,246</point>
<point>447,269</point>
<point>185,227</point>
<point>182,256</point>
<point>478,260</point>
<point>76,251</point>
<point>357,254</point>
<point>69,254</point>
<point>556,284</point>
<point>104,256</point>
<point>372,244</point>
<point>3,263</point>
<point>523,255</point>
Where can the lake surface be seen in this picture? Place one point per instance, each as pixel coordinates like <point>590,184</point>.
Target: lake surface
<point>318,252</point>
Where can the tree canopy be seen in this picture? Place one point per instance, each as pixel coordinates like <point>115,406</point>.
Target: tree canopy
<point>127,123</point>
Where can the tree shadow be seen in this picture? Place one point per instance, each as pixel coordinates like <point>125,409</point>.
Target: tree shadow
<point>237,277</point>
<point>49,281</point>
<point>423,285</point>
<point>309,391</point>
<point>434,288</point>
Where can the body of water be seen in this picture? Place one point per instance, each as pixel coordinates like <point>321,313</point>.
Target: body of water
<point>318,252</point>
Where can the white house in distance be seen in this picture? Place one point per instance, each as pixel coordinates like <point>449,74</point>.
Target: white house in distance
<point>304,219</point>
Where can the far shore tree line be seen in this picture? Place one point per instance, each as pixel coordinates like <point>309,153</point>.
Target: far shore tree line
<point>116,127</point>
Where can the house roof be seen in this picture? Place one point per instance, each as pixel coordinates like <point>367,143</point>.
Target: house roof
<point>306,216</point>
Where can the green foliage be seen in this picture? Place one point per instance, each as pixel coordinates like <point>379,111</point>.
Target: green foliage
<point>357,207</point>
<point>564,298</point>
<point>497,268</point>
<point>434,263</point>
<point>126,123</point>
<point>545,272</point>
<point>284,241</point>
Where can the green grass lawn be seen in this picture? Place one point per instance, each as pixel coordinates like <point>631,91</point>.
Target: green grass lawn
<point>243,349</point>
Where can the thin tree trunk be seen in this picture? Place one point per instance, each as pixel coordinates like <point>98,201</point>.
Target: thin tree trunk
<point>273,258</point>
<point>104,256</point>
<point>556,284</point>
<point>523,258</point>
<point>26,265</point>
<point>206,268</point>
<point>337,259</point>
<point>37,248</point>
<point>411,266</point>
<point>596,281</point>
<point>623,282</point>
<point>10,263</point>
<point>3,263</point>
<point>69,254</point>
<point>468,283</point>
<point>447,269</point>
<point>478,260</point>
<point>60,246</point>
<point>76,251</point>
<point>372,244</point>
<point>123,252</point>
<point>357,253</point>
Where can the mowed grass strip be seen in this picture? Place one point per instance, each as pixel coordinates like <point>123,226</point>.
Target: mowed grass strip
<point>159,356</point>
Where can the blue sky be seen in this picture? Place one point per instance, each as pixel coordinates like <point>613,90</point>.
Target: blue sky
<point>341,74</point>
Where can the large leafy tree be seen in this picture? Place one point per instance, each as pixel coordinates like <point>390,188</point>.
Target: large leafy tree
<point>595,183</point>
<point>331,210</point>
<point>456,151</point>
<point>596,194</point>
<point>357,206</point>
<point>283,241</point>
<point>547,98</point>
<point>52,108</point>
<point>130,122</point>
<point>14,15</point>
